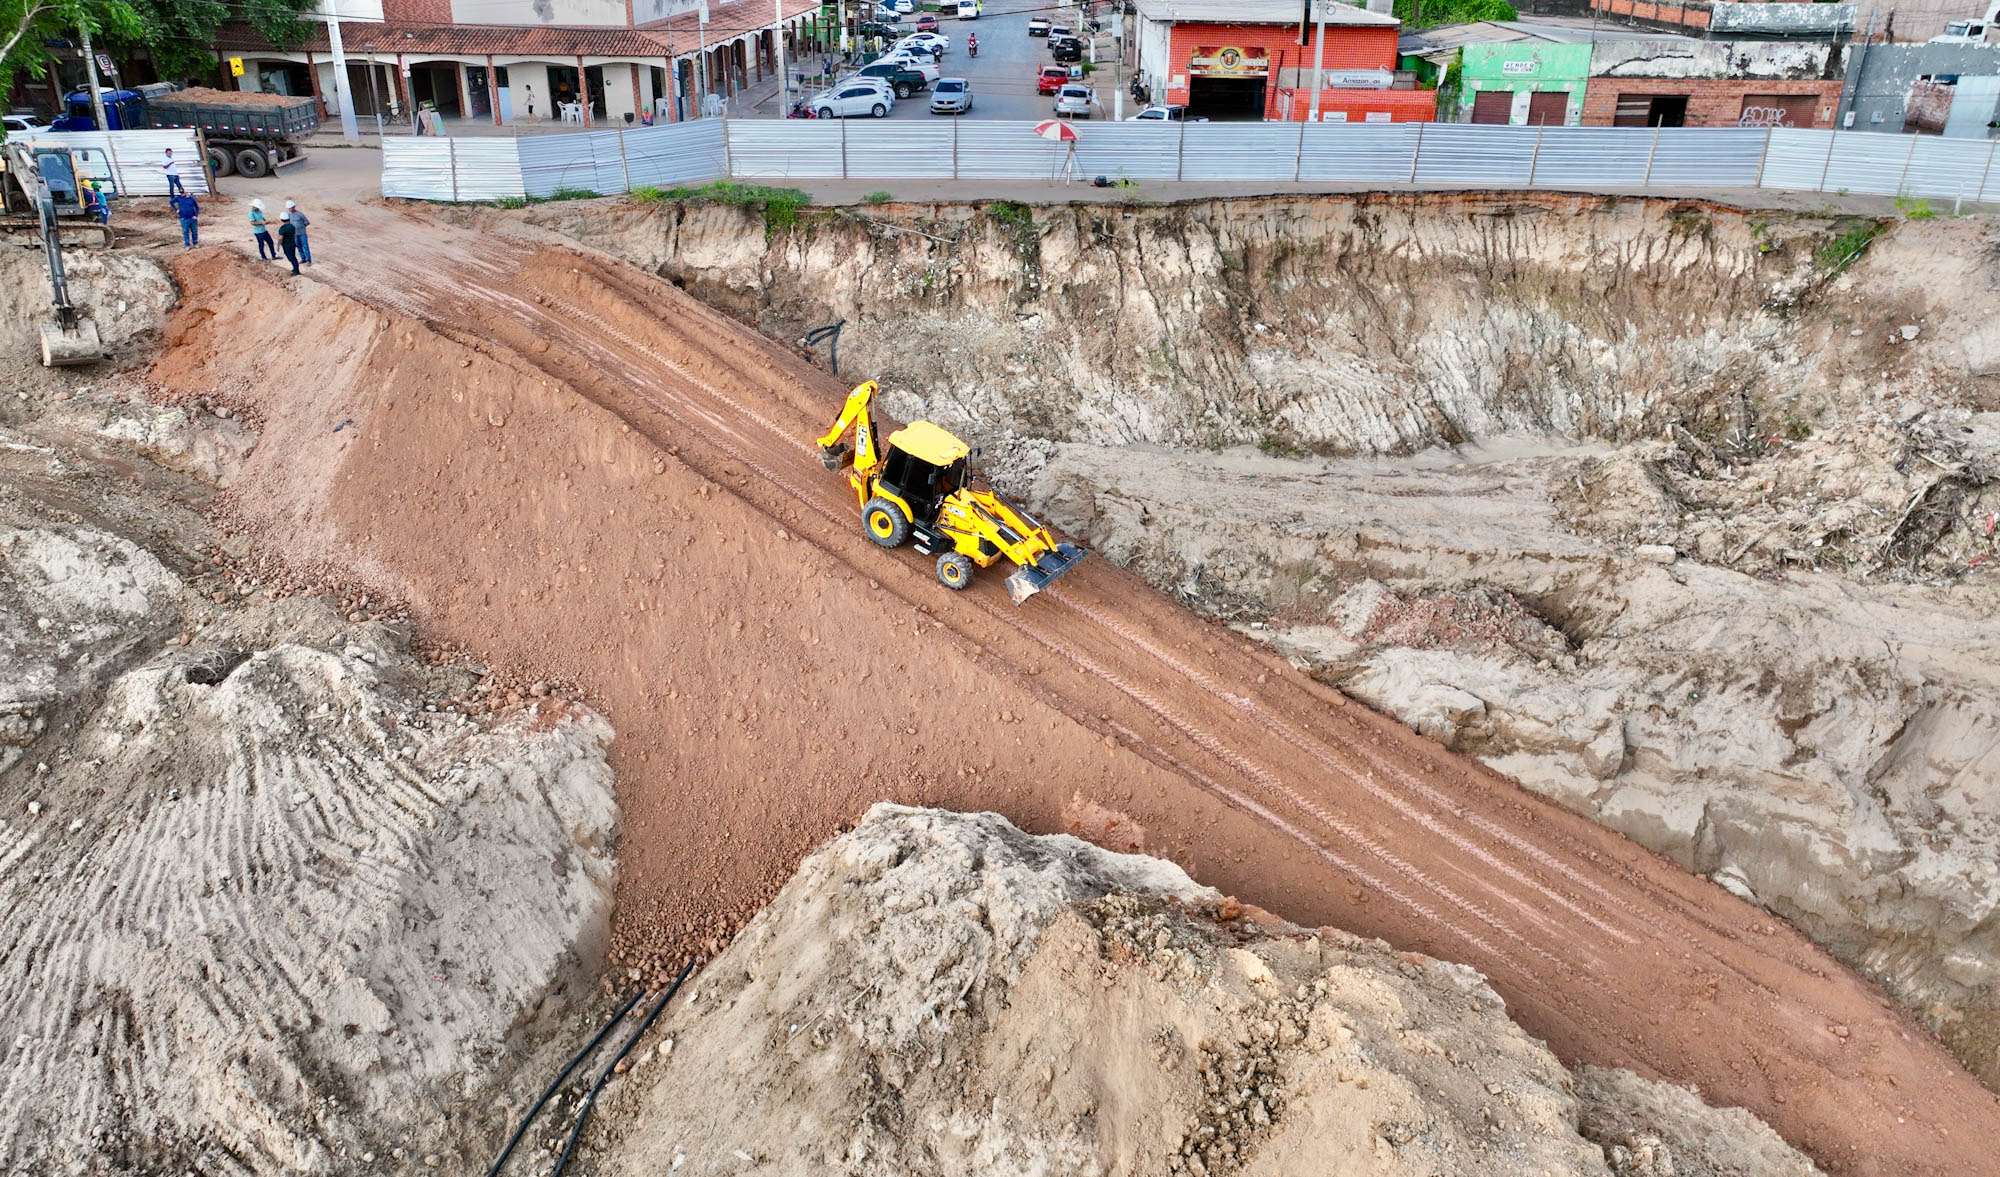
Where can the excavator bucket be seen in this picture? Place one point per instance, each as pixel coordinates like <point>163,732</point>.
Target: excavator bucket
<point>1033,578</point>
<point>78,345</point>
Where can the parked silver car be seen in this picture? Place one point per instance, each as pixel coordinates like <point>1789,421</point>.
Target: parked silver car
<point>951,96</point>
<point>1076,102</point>
<point>856,96</point>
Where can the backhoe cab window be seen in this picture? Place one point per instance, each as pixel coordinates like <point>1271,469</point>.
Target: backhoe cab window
<point>924,485</point>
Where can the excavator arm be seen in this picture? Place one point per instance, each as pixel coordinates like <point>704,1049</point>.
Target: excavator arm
<point>854,414</point>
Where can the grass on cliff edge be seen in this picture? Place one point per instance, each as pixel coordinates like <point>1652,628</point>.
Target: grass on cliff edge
<point>781,205</point>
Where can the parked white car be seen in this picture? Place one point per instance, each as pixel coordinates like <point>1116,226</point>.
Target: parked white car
<point>952,96</point>
<point>1075,102</point>
<point>24,125</point>
<point>905,7</point>
<point>1038,26</point>
<point>969,9</point>
<point>921,62</point>
<point>1164,114</point>
<point>864,96</point>
<point>938,41</point>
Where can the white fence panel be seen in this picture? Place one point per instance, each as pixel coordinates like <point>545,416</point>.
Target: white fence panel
<point>418,169</point>
<point>1129,151</point>
<point>681,153</point>
<point>1591,157</point>
<point>1797,159</point>
<point>1239,151</point>
<point>1954,169</point>
<point>1359,153</point>
<point>607,161</point>
<point>553,163</point>
<point>1868,163</point>
<point>131,159</point>
<point>487,169</point>
<point>785,149</point>
<point>1709,157</point>
<point>1006,151</point>
<point>1465,154</point>
<point>900,150</point>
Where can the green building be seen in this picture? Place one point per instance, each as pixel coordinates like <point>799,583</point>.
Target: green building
<point>1523,83</point>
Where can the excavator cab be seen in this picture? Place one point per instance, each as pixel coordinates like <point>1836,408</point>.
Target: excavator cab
<point>918,491</point>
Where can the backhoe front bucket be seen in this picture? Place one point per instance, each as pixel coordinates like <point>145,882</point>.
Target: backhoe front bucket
<point>1032,579</point>
<point>79,345</point>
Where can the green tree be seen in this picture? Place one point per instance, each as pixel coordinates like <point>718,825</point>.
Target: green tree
<point>1426,14</point>
<point>180,34</point>
<point>27,27</point>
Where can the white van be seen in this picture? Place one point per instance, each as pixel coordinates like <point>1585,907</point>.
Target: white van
<point>968,9</point>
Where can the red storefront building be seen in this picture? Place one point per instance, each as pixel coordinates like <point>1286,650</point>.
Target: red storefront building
<point>1243,59</point>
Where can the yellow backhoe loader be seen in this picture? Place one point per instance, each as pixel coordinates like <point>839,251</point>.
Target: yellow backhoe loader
<point>920,491</point>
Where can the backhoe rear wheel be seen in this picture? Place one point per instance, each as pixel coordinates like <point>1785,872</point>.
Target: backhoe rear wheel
<point>955,571</point>
<point>885,523</point>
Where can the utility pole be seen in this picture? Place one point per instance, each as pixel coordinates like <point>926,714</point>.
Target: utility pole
<point>348,130</point>
<point>96,94</point>
<point>778,46</point>
<point>1319,63</point>
<point>1118,67</point>
<point>701,70</point>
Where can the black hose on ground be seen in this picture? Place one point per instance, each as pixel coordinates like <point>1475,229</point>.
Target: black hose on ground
<point>573,1063</point>
<point>590,1100</point>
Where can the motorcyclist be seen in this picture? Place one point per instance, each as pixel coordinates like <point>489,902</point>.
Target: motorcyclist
<point>972,44</point>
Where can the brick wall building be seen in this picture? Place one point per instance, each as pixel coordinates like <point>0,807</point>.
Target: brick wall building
<point>1713,84</point>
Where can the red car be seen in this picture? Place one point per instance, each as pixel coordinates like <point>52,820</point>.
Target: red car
<point>1051,79</point>
<point>927,23</point>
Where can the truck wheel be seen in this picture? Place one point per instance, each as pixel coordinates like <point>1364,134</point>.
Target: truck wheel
<point>221,162</point>
<point>252,162</point>
<point>902,91</point>
<point>955,571</point>
<point>885,523</point>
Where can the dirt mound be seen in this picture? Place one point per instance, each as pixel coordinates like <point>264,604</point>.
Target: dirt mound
<point>571,467</point>
<point>941,993</point>
<point>232,97</point>
<point>265,905</point>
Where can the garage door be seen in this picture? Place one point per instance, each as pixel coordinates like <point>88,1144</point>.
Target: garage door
<point>1778,110</point>
<point>1493,106</point>
<point>1549,109</point>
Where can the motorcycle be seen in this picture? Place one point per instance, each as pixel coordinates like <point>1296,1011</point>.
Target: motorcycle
<point>801,111</point>
<point>972,47</point>
<point>1140,94</point>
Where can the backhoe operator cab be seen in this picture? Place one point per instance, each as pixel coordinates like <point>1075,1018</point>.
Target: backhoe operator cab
<point>919,491</point>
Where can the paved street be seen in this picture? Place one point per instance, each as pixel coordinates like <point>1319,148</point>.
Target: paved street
<point>1003,75</point>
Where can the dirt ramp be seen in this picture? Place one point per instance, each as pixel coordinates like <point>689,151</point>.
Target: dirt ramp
<point>570,466</point>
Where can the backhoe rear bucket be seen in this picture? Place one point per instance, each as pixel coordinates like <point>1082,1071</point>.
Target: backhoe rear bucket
<point>1049,565</point>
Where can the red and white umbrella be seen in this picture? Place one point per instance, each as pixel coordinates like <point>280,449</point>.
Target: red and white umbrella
<point>1057,130</point>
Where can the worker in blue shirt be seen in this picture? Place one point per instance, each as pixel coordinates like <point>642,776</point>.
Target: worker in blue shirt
<point>187,210</point>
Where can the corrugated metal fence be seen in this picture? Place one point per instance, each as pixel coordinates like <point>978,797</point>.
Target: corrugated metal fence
<point>130,160</point>
<point>1424,154</point>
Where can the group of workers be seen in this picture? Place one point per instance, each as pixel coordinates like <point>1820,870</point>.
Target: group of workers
<point>291,240</point>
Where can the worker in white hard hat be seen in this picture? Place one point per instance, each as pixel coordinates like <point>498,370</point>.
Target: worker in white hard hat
<point>266,248</point>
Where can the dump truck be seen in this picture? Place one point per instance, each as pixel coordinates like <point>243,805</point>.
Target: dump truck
<point>251,133</point>
<point>920,492</point>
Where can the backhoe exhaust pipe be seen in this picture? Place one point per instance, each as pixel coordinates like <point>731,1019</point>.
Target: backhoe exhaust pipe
<point>1032,579</point>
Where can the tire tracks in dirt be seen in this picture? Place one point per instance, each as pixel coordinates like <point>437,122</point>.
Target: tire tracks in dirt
<point>1611,953</point>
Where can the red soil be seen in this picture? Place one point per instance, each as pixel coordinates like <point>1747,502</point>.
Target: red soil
<point>569,466</point>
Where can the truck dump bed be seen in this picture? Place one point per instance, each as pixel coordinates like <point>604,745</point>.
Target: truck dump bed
<point>226,115</point>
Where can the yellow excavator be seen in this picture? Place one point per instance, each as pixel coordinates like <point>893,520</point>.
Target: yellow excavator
<point>920,491</point>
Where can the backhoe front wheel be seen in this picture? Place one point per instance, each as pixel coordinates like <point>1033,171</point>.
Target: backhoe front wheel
<point>955,571</point>
<point>885,523</point>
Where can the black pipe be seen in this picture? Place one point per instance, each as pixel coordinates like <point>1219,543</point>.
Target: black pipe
<point>580,1056</point>
<point>590,1101</point>
<point>830,331</point>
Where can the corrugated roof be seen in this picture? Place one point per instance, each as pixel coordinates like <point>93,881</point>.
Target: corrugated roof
<point>552,41</point>
<point>1260,12</point>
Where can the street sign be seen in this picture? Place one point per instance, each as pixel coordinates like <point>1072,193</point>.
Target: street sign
<point>235,67</point>
<point>104,63</point>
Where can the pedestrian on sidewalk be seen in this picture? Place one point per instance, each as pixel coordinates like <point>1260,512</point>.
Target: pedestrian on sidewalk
<point>288,240</point>
<point>530,90</point>
<point>266,248</point>
<point>297,220</point>
<point>172,171</point>
<point>188,211</point>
